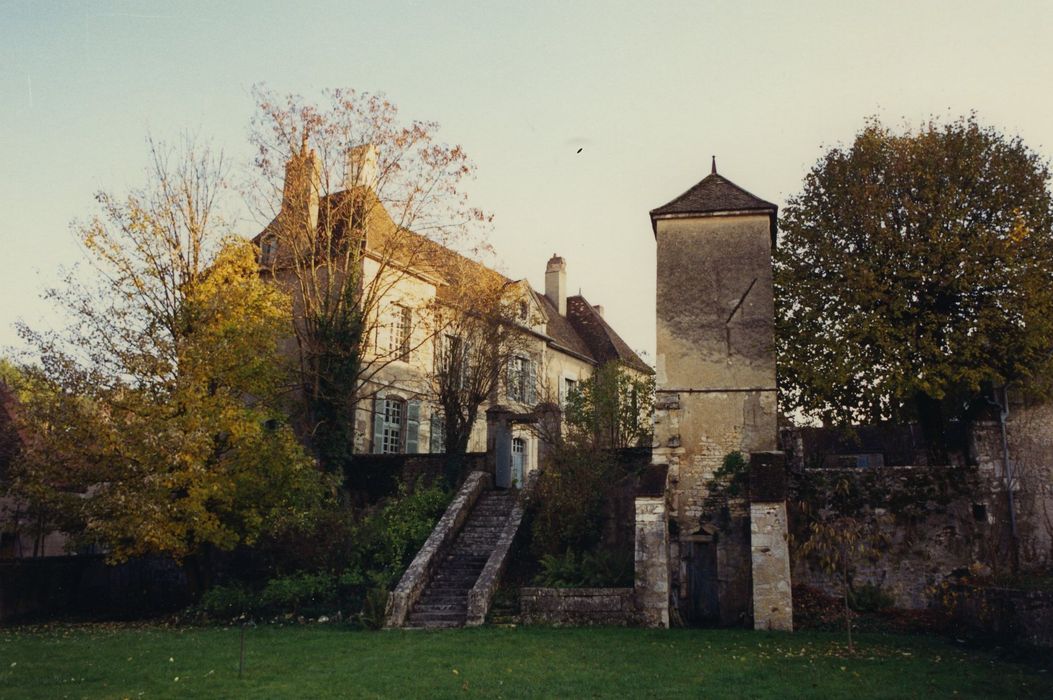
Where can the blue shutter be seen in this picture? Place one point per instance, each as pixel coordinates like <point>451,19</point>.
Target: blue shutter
<point>378,426</point>
<point>436,438</point>
<point>510,380</point>
<point>529,383</point>
<point>412,426</point>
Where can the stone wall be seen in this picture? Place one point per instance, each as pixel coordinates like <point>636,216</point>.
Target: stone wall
<point>925,515</point>
<point>577,606</point>
<point>1005,615</point>
<point>941,522</point>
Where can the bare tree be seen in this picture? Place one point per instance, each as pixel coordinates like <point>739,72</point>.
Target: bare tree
<point>369,203</point>
<point>483,330</point>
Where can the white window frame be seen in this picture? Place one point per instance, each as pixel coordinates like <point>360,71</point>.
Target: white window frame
<point>394,431</point>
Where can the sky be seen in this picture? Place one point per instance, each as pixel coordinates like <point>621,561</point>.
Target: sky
<point>647,90</point>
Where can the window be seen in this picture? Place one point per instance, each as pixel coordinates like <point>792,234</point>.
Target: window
<point>569,385</point>
<point>523,310</point>
<point>268,249</point>
<point>391,436</point>
<point>521,380</point>
<point>399,340</point>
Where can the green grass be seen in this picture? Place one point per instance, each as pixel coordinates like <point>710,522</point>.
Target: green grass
<point>333,661</point>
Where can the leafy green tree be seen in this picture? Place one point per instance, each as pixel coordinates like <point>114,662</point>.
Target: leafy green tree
<point>612,408</point>
<point>914,268</point>
<point>162,401</point>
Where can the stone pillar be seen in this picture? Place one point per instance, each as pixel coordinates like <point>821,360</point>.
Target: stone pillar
<point>652,561</point>
<point>769,543</point>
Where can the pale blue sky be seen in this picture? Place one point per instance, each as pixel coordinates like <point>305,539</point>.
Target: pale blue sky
<point>647,90</point>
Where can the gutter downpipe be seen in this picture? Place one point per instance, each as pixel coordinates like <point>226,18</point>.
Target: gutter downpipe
<point>1008,477</point>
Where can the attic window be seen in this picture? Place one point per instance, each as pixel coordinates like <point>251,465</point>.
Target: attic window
<point>268,249</point>
<point>523,310</point>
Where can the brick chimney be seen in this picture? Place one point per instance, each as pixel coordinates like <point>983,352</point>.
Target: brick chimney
<point>303,182</point>
<point>556,283</point>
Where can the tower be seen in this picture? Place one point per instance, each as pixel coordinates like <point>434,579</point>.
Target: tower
<point>715,378</point>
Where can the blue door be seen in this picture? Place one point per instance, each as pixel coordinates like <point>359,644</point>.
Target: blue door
<point>518,461</point>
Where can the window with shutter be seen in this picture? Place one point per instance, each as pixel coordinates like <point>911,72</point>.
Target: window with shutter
<point>437,438</point>
<point>412,427</point>
<point>392,419</point>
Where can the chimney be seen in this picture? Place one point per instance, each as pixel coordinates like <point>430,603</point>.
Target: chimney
<point>556,283</point>
<point>362,167</point>
<point>303,181</point>
<point>599,309</point>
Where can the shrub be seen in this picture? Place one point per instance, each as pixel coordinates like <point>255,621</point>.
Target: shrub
<point>374,609</point>
<point>223,602</point>
<point>569,500</point>
<point>599,569</point>
<point>291,594</point>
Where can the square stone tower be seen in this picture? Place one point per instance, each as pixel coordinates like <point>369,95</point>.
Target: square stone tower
<point>715,377</point>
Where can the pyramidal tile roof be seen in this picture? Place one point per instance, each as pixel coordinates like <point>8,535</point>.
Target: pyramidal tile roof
<point>713,195</point>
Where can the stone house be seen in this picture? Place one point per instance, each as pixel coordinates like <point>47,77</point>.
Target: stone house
<point>564,336</point>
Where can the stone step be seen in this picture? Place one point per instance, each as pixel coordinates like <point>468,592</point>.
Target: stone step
<point>437,617</point>
<point>425,608</point>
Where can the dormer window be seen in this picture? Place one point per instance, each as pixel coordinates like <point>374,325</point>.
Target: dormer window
<point>268,250</point>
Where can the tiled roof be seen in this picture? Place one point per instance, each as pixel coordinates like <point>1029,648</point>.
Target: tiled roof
<point>604,343</point>
<point>583,331</point>
<point>714,194</point>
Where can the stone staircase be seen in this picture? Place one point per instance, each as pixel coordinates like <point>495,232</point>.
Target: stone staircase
<point>444,602</point>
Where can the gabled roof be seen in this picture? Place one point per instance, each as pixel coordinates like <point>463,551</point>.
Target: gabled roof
<point>715,194</point>
<point>603,342</point>
<point>582,332</point>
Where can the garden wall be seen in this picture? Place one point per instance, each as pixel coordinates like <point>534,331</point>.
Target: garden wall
<point>577,606</point>
<point>1005,615</point>
<point>377,476</point>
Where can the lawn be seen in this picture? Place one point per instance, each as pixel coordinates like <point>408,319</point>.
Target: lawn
<point>333,661</point>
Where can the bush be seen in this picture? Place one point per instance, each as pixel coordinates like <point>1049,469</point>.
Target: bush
<point>292,594</point>
<point>569,500</point>
<point>374,609</point>
<point>224,602</point>
<point>600,569</point>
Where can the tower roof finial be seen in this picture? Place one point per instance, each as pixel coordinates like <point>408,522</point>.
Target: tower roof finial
<point>713,170</point>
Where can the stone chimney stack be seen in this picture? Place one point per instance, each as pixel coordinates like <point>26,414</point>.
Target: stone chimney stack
<point>303,182</point>
<point>599,309</point>
<point>362,167</point>
<point>556,283</point>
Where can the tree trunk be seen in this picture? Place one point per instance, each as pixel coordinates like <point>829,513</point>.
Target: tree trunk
<point>844,588</point>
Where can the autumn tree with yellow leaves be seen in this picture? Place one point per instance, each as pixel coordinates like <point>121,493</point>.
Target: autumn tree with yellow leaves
<point>158,404</point>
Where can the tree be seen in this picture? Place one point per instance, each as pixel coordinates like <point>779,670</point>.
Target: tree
<point>161,400</point>
<point>481,329</point>
<point>612,408</point>
<point>840,530</point>
<point>368,202</point>
<point>914,267</point>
